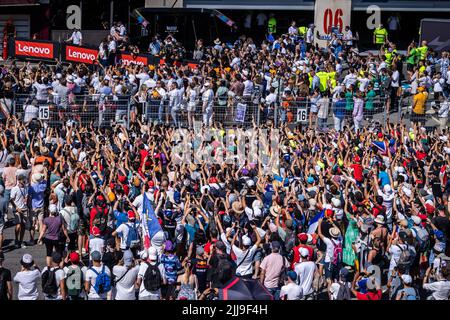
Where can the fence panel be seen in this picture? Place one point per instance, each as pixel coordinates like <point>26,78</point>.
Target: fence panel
<point>100,110</point>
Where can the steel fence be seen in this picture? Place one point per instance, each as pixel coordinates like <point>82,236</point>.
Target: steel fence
<point>106,110</point>
<point>97,109</point>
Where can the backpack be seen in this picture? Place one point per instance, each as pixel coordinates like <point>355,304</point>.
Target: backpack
<point>152,277</point>
<point>343,292</point>
<point>337,253</point>
<point>49,285</point>
<point>422,239</point>
<point>133,240</point>
<point>74,220</point>
<point>100,220</point>
<point>406,257</point>
<point>102,282</point>
<point>416,295</point>
<point>74,282</point>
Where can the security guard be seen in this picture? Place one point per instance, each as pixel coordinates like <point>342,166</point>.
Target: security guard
<point>423,50</point>
<point>272,24</point>
<point>302,31</point>
<point>380,35</point>
<point>323,78</point>
<point>389,54</point>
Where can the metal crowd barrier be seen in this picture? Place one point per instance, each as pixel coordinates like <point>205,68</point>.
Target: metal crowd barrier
<point>98,109</point>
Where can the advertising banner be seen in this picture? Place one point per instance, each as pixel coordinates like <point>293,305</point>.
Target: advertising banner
<point>329,14</point>
<point>34,49</point>
<point>80,54</point>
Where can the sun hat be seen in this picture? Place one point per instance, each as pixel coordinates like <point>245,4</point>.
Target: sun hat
<point>237,207</point>
<point>379,219</point>
<point>275,210</point>
<point>334,232</point>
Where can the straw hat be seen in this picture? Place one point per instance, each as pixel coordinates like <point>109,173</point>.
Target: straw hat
<point>237,207</point>
<point>275,210</point>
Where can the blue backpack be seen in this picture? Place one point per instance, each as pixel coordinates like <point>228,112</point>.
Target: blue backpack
<point>133,237</point>
<point>102,282</point>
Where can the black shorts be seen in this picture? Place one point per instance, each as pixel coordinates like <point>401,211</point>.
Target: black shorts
<point>57,245</point>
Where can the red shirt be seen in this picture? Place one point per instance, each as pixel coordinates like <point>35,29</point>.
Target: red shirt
<point>92,215</point>
<point>369,295</point>
<point>297,254</point>
<point>357,171</point>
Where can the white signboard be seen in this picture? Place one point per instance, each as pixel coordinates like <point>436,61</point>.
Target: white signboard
<point>44,112</point>
<point>240,112</point>
<point>328,14</point>
<point>302,115</point>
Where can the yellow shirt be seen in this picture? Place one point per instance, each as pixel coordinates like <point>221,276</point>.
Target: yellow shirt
<point>419,101</point>
<point>380,35</point>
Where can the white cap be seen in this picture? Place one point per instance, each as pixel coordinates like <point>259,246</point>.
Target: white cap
<point>304,252</point>
<point>336,202</point>
<point>152,253</point>
<point>416,220</point>
<point>27,258</point>
<point>52,208</point>
<point>246,241</point>
<point>250,183</point>
<point>406,278</point>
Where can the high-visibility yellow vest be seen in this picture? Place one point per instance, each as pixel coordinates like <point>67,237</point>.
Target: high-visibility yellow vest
<point>323,77</point>
<point>390,56</point>
<point>302,31</point>
<point>422,52</point>
<point>310,80</point>
<point>272,25</point>
<point>380,35</point>
<point>332,78</point>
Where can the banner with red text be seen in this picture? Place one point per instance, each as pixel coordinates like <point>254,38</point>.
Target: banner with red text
<point>329,14</point>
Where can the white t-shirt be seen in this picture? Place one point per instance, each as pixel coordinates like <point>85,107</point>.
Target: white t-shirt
<point>76,38</point>
<point>245,267</point>
<point>330,248</point>
<point>59,275</point>
<point>96,244</point>
<point>31,112</point>
<point>18,195</point>
<point>144,293</point>
<point>441,289</point>
<point>305,275</point>
<point>292,291</point>
<point>123,230</point>
<point>91,276</point>
<point>27,281</point>
<point>139,201</point>
<point>125,287</point>
<point>395,252</point>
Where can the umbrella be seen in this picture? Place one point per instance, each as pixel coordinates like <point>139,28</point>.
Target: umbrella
<point>244,289</point>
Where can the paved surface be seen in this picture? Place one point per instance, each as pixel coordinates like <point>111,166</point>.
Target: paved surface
<point>13,256</point>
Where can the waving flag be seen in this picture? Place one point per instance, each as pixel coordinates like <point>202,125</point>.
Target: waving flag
<point>150,223</point>
<point>314,222</point>
<point>381,146</point>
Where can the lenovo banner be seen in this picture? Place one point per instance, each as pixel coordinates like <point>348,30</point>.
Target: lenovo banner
<point>34,49</point>
<point>127,59</point>
<point>80,54</point>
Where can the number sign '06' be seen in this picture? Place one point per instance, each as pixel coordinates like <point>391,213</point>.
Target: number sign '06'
<point>331,13</point>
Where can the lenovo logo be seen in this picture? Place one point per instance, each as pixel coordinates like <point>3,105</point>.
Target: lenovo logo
<point>80,54</point>
<point>34,49</point>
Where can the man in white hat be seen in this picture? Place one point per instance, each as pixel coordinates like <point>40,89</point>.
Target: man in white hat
<point>244,254</point>
<point>151,277</point>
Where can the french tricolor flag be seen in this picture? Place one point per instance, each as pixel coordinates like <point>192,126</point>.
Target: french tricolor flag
<point>314,222</point>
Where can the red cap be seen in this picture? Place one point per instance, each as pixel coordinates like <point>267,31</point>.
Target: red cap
<point>329,213</point>
<point>303,237</point>
<point>100,198</point>
<point>131,215</point>
<point>95,231</point>
<point>74,257</point>
<point>357,158</point>
<point>151,184</point>
<point>221,212</point>
<point>122,179</point>
<point>430,209</point>
<point>380,135</point>
<point>111,185</point>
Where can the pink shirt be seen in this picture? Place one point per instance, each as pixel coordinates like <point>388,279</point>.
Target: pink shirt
<point>273,265</point>
<point>9,177</point>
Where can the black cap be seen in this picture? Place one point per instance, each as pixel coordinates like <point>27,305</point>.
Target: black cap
<point>56,257</point>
